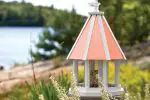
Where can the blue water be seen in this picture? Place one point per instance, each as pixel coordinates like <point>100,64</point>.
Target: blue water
<point>15,44</point>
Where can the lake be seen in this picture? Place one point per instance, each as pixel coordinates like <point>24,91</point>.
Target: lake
<point>15,44</point>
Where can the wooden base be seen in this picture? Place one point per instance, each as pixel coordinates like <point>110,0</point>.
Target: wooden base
<point>95,92</point>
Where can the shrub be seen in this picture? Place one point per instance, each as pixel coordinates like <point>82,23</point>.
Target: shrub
<point>47,91</point>
<point>131,77</point>
<point>42,91</point>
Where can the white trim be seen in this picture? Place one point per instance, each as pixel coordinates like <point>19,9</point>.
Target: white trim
<point>96,93</point>
<point>89,36</point>
<point>104,40</point>
<point>78,37</point>
<point>100,70</point>
<point>96,13</point>
<point>87,74</point>
<point>117,72</point>
<point>105,74</point>
<point>75,70</point>
<point>115,38</point>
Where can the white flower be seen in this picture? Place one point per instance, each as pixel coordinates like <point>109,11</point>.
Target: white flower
<point>41,97</point>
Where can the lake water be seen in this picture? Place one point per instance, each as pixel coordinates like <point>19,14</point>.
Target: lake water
<point>15,44</point>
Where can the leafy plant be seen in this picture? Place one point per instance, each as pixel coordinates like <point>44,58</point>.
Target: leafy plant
<point>131,77</point>
<point>61,91</point>
<point>42,90</point>
<point>47,91</point>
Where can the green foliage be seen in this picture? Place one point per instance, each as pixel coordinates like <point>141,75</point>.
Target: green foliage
<point>47,91</point>
<point>19,92</point>
<point>81,74</point>
<point>20,14</point>
<point>128,19</point>
<point>62,94</point>
<point>64,80</point>
<point>25,14</point>
<point>58,43</point>
<point>131,77</point>
<point>42,89</point>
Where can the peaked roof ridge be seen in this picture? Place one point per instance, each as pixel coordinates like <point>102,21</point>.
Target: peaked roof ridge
<point>96,41</point>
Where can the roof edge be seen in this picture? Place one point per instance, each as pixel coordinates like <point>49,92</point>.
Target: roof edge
<point>88,19</point>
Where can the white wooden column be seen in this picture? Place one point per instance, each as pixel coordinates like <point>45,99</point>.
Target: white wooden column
<point>87,74</point>
<point>75,70</point>
<point>105,74</point>
<point>117,72</point>
<point>100,70</point>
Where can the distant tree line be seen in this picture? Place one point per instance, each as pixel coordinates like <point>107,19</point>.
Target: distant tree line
<point>24,14</point>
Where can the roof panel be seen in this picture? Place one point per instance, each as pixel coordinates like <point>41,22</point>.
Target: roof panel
<point>79,47</point>
<point>113,47</point>
<point>96,49</point>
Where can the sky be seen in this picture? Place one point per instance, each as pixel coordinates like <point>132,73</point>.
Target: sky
<point>82,7</point>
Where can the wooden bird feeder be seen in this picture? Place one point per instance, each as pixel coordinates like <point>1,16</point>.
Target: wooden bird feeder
<point>96,46</point>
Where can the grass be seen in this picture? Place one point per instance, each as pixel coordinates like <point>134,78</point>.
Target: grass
<point>18,93</point>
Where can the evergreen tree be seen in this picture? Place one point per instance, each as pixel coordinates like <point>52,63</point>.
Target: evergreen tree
<point>66,28</point>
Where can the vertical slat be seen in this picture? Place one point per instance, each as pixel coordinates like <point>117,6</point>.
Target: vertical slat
<point>100,70</point>
<point>87,74</point>
<point>117,72</point>
<point>75,70</point>
<point>105,74</point>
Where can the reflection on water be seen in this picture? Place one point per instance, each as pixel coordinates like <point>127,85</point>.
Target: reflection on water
<point>15,44</point>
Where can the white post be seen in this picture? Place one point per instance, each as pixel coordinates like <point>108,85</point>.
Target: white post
<point>105,74</point>
<point>100,70</point>
<point>87,74</point>
<point>117,72</point>
<point>75,70</point>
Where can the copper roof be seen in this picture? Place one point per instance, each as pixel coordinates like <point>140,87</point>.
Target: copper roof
<point>96,41</point>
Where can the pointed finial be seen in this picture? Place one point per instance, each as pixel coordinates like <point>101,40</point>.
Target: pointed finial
<point>96,5</point>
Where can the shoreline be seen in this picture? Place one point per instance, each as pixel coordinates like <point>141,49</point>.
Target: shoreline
<point>21,74</point>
